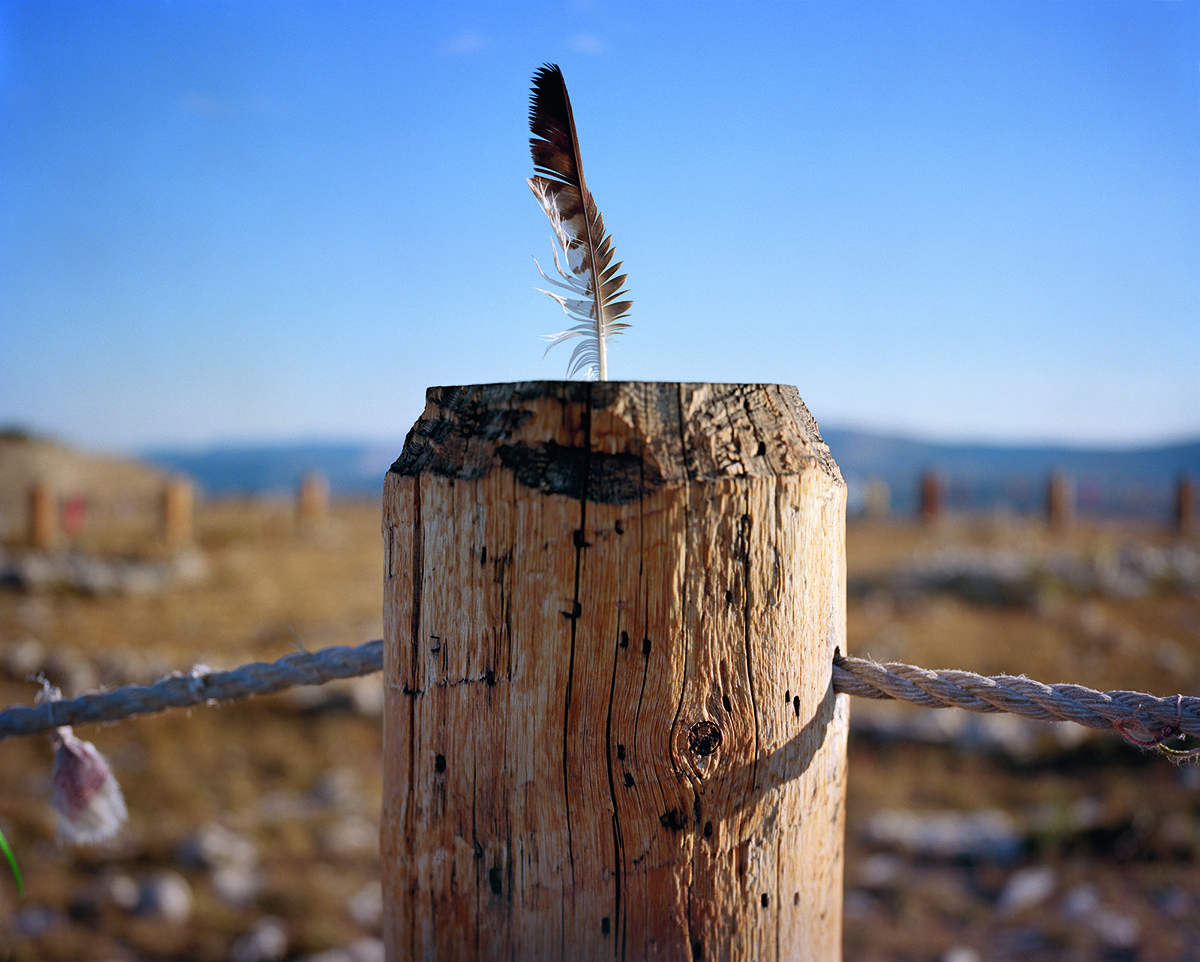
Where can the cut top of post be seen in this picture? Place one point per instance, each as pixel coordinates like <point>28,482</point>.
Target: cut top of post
<point>614,441</point>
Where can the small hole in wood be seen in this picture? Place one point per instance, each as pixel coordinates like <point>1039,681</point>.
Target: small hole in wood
<point>766,900</point>
<point>697,950</point>
<point>605,925</point>
<point>494,880</point>
<point>672,820</point>
<point>624,639</point>
<point>628,780</point>
<point>796,705</point>
<point>646,646</point>
<point>708,830</point>
<point>483,555</point>
<point>620,752</point>
<point>725,702</point>
<point>762,449</point>
<point>439,763</point>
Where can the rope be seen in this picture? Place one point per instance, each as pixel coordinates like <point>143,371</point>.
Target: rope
<point>201,686</point>
<point>1158,718</point>
<point>1131,713</point>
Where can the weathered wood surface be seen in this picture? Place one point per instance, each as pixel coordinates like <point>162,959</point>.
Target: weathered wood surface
<point>610,614</point>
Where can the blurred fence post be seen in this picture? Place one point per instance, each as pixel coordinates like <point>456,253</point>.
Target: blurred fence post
<point>312,511</point>
<point>931,496</point>
<point>877,498</point>
<point>1185,505</point>
<point>177,512</point>
<point>610,730</point>
<point>1060,501</point>
<point>44,530</point>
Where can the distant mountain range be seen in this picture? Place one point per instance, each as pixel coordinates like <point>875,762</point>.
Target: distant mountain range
<point>1118,482</point>
<point>353,469</point>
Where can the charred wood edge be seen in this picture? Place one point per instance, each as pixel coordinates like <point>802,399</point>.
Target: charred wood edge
<point>1131,713</point>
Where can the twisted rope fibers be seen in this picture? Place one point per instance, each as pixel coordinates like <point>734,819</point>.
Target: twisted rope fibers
<point>201,686</point>
<point>1158,718</point>
<point>1161,718</point>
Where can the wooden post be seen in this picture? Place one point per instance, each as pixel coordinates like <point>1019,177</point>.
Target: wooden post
<point>1060,501</point>
<point>610,732</point>
<point>312,513</point>
<point>44,531</point>
<point>177,512</point>
<point>1185,505</point>
<point>877,498</point>
<point>931,496</point>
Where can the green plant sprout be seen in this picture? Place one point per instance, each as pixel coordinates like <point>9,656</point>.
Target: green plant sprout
<point>12,863</point>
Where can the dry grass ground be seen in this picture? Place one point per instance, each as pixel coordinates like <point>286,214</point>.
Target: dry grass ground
<point>295,779</point>
<point>300,781</point>
<point>1122,882</point>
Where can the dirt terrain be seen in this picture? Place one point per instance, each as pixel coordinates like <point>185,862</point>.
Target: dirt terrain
<point>252,830</point>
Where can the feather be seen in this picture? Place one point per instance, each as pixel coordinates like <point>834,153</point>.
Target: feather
<point>592,281</point>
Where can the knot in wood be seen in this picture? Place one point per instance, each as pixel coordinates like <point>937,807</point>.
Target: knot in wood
<point>704,738</point>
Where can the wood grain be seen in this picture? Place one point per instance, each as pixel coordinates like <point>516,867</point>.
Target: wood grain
<point>610,613</point>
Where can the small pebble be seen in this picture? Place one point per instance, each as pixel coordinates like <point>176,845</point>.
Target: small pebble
<point>166,895</point>
<point>265,942</point>
<point>1026,888</point>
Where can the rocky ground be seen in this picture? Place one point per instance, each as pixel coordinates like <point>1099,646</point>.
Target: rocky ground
<point>253,828</point>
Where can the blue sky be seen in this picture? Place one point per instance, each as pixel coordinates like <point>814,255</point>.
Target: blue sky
<point>249,220</point>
